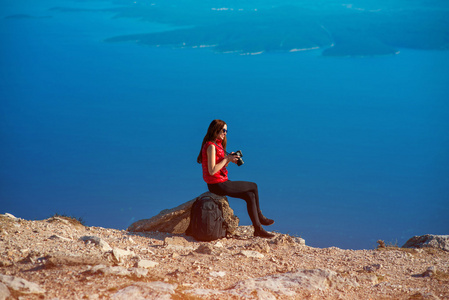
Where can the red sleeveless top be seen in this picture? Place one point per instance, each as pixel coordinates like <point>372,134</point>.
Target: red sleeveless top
<point>220,176</point>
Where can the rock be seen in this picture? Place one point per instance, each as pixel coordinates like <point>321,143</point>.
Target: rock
<point>8,215</point>
<point>4,292</point>
<point>146,264</point>
<point>5,262</point>
<point>176,220</point>
<point>207,292</point>
<point>205,249</point>
<point>32,257</point>
<point>428,241</point>
<point>430,272</point>
<point>300,241</point>
<point>316,279</point>
<point>177,241</point>
<point>286,284</point>
<point>244,231</point>
<point>372,268</point>
<point>253,254</point>
<point>146,290</point>
<point>53,219</point>
<point>218,274</point>
<point>21,285</point>
<point>104,246</point>
<point>285,239</point>
<point>119,271</point>
<point>219,244</point>
<point>260,246</point>
<point>58,237</point>
<point>424,296</point>
<point>120,255</point>
<point>369,278</point>
<point>60,259</point>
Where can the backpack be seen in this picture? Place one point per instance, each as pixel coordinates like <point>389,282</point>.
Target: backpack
<point>206,220</point>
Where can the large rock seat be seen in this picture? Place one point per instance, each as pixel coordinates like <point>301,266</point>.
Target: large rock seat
<point>177,219</point>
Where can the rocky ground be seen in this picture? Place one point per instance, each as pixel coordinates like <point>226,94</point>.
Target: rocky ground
<point>59,258</point>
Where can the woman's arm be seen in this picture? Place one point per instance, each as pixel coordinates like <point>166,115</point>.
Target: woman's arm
<point>212,166</point>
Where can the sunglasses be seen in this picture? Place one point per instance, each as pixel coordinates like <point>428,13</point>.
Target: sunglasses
<point>225,130</point>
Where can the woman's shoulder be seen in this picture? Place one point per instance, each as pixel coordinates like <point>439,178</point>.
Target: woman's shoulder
<point>207,144</point>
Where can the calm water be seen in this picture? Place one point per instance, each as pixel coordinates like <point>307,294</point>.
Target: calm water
<point>346,151</point>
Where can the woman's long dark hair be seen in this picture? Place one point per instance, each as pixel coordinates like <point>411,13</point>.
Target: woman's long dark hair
<point>214,130</point>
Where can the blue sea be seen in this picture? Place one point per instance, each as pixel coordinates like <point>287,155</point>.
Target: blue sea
<point>345,150</point>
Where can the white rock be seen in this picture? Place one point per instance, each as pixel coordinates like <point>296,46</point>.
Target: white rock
<point>300,241</point>
<point>146,290</point>
<point>4,292</point>
<point>148,264</point>
<point>60,219</point>
<point>104,246</point>
<point>10,216</point>
<point>58,237</point>
<point>21,285</point>
<point>139,272</point>
<point>204,292</point>
<point>218,274</point>
<point>219,244</point>
<point>146,250</point>
<point>316,279</point>
<point>120,254</point>
<point>253,254</point>
<point>162,287</point>
<point>285,284</point>
<point>131,292</point>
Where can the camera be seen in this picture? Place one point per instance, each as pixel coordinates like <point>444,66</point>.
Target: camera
<point>239,159</point>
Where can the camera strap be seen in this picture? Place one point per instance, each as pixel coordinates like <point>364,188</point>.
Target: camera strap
<point>227,153</point>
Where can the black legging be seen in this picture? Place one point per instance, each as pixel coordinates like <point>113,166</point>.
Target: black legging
<point>244,190</point>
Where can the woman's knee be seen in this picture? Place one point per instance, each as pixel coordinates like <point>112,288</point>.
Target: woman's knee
<point>249,197</point>
<point>253,186</point>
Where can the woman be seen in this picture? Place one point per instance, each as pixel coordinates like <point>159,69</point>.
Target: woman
<point>215,159</point>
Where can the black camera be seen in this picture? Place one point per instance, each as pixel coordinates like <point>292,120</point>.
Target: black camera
<point>239,159</point>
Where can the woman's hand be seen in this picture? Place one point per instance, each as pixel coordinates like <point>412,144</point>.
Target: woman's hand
<point>232,158</point>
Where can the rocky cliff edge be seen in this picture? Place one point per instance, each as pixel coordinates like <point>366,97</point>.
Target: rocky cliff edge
<point>59,258</point>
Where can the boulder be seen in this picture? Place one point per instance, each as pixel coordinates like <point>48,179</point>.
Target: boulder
<point>21,285</point>
<point>176,220</point>
<point>428,241</point>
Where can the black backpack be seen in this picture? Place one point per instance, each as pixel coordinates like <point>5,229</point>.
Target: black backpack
<point>206,220</point>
